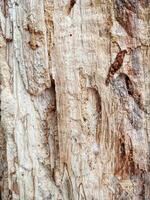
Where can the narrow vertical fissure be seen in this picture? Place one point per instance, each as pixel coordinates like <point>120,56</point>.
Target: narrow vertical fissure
<point>56,138</point>
<point>52,124</point>
<point>94,113</point>
<point>99,117</point>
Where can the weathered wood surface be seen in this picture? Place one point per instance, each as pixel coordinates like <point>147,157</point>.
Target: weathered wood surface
<point>65,133</point>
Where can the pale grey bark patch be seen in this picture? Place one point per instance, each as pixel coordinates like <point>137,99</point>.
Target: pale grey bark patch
<point>125,89</point>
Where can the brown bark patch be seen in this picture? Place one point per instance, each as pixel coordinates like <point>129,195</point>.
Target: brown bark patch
<point>115,66</point>
<point>125,166</point>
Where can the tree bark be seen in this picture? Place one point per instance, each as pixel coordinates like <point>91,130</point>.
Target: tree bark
<point>75,100</point>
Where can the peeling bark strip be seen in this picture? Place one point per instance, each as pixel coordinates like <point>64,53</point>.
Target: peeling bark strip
<point>70,6</point>
<point>115,66</point>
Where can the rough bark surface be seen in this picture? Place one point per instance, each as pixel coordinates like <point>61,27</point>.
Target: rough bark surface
<point>66,134</point>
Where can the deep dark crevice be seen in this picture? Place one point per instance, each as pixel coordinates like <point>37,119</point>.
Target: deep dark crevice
<point>54,90</point>
<point>98,103</point>
<point>129,85</point>
<point>72,2</point>
<point>56,137</point>
<point>52,130</point>
<point>70,5</point>
<point>99,111</point>
<point>122,149</point>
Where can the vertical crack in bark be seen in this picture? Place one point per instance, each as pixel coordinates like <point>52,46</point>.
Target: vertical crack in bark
<point>52,127</point>
<point>129,86</point>
<point>99,115</point>
<point>56,137</point>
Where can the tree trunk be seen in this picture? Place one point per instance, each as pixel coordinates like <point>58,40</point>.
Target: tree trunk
<point>75,100</point>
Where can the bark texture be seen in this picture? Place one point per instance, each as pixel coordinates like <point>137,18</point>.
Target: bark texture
<point>75,100</point>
